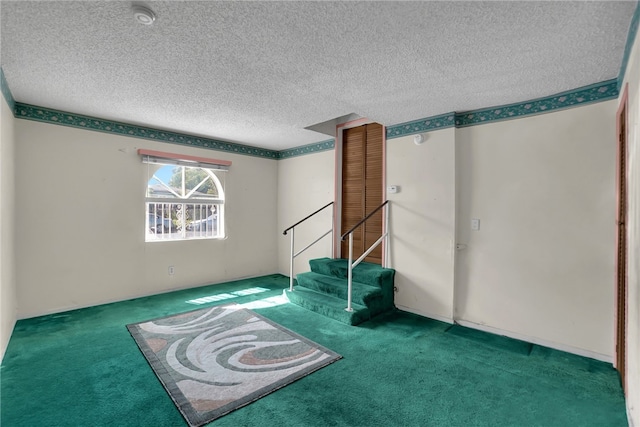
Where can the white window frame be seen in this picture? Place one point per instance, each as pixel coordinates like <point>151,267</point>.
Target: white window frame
<point>198,219</point>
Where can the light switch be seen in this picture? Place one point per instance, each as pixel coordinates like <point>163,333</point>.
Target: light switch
<point>475,224</point>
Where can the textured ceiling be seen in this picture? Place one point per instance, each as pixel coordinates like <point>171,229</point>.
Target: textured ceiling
<point>258,73</point>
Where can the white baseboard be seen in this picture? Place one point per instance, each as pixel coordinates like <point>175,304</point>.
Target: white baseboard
<point>515,335</point>
<point>64,309</point>
<point>425,314</point>
<point>538,341</point>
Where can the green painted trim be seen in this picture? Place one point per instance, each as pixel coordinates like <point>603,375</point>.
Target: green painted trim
<point>6,92</point>
<point>423,125</point>
<point>307,149</point>
<point>47,115</point>
<point>597,92</point>
<point>631,37</point>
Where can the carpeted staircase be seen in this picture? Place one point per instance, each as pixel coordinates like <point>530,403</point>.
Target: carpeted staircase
<point>324,290</point>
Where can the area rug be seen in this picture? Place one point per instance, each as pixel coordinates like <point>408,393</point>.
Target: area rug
<point>215,360</point>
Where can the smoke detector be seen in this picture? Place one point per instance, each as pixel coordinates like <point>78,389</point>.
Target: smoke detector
<point>143,15</point>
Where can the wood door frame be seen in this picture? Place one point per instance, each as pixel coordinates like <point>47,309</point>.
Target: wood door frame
<point>337,206</point>
<point>620,325</point>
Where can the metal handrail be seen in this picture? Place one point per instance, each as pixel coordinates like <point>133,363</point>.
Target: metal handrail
<point>306,218</point>
<point>352,264</point>
<point>363,220</point>
<point>295,254</point>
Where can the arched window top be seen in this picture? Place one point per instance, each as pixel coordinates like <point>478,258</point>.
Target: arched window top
<point>184,182</point>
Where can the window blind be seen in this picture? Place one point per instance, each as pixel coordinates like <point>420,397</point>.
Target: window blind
<point>163,158</point>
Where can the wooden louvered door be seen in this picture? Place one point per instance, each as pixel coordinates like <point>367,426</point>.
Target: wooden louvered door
<point>621,274</point>
<point>362,158</point>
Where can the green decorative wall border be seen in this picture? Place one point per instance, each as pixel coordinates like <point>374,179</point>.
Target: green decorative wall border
<point>47,115</point>
<point>597,92</point>
<point>585,95</point>
<point>631,37</point>
<point>307,149</point>
<point>423,125</point>
<point>6,92</point>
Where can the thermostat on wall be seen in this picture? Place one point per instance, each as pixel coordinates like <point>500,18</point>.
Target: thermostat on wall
<point>392,189</point>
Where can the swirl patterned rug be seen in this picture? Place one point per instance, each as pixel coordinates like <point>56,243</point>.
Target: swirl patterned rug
<point>215,360</point>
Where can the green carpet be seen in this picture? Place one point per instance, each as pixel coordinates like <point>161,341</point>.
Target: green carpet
<point>81,368</point>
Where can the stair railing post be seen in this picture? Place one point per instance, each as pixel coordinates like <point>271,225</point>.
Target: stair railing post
<point>333,232</point>
<point>291,265</point>
<point>350,274</point>
<point>386,239</point>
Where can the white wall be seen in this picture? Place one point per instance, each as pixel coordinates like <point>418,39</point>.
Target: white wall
<point>422,222</point>
<point>632,77</point>
<point>541,267</point>
<point>305,183</point>
<point>7,257</point>
<point>80,222</point>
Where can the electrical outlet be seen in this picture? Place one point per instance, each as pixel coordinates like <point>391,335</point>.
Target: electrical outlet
<point>171,270</point>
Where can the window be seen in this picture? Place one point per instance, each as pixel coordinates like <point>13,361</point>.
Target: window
<point>184,198</point>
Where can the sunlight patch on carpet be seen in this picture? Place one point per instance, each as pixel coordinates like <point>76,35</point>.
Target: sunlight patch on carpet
<point>217,359</point>
<point>266,302</point>
<point>223,296</point>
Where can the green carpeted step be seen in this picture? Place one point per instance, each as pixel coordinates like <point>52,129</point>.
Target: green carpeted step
<point>361,293</point>
<point>328,305</point>
<point>365,272</point>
